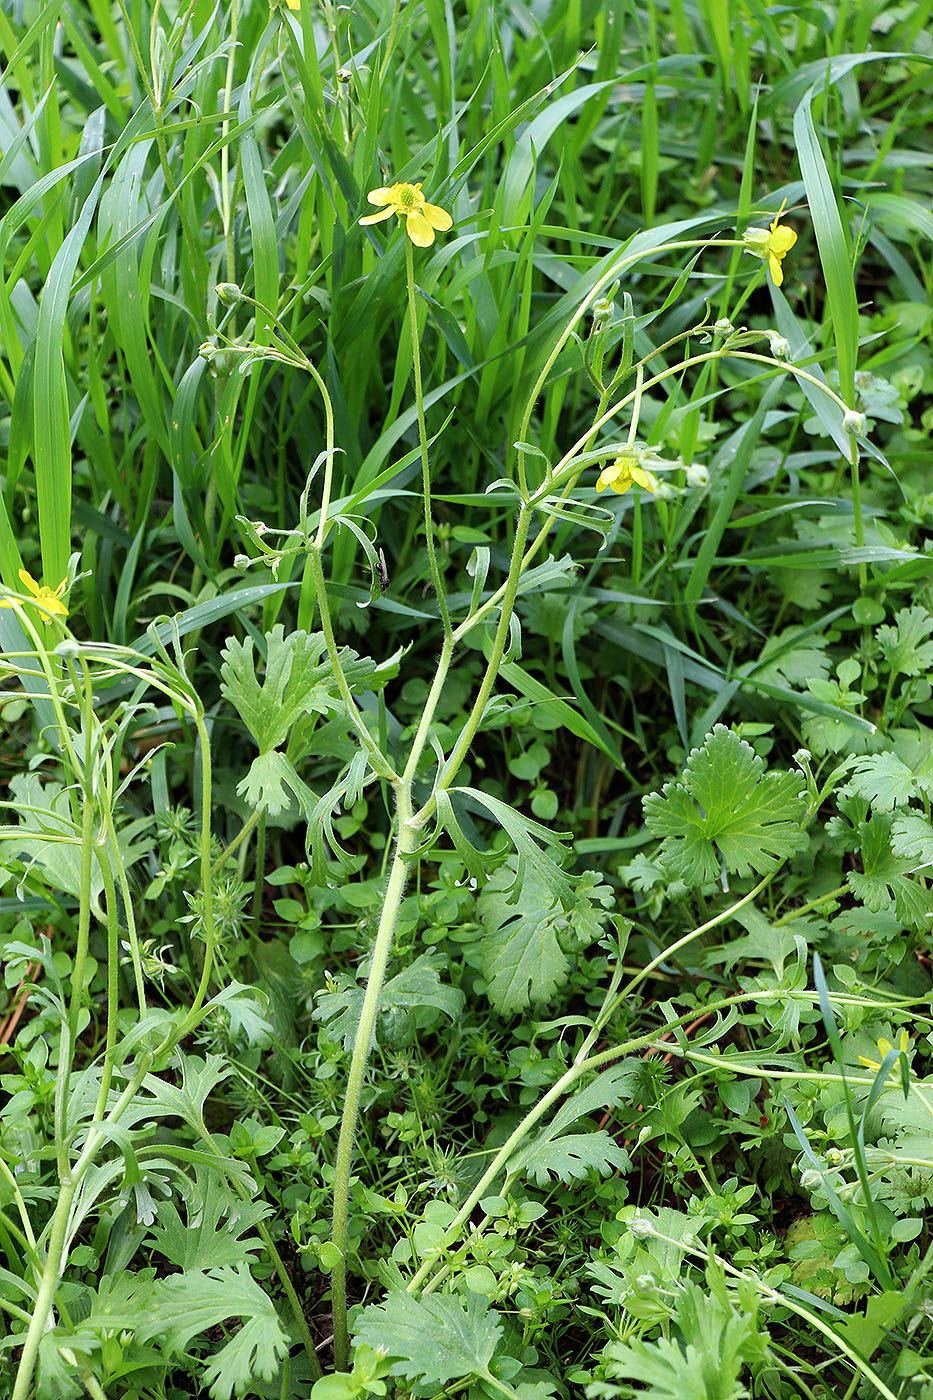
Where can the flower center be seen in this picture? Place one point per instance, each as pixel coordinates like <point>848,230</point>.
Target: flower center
<point>408,196</point>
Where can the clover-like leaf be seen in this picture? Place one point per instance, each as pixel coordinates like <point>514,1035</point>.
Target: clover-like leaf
<point>727,810</point>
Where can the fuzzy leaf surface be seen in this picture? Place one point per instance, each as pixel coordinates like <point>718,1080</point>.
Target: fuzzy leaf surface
<point>186,1305</point>
<point>434,1340</point>
<point>727,809</point>
<point>416,986</point>
<point>525,944</point>
<point>270,779</point>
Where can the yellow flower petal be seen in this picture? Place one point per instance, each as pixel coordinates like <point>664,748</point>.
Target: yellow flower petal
<point>616,476</point>
<point>776,270</point>
<point>377,218</point>
<point>419,230</point>
<point>884,1049</point>
<point>643,478</point>
<point>437,218</point>
<point>407,201</point>
<point>782,240</point>
<point>624,473</point>
<point>46,600</point>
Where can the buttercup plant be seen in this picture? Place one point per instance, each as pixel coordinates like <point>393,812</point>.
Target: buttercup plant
<point>555,497</point>
<point>494,508</point>
<point>412,209</point>
<point>773,244</point>
<point>47,601</point>
<point>315,674</point>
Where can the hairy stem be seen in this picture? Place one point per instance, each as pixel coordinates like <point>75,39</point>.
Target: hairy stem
<point>385,936</point>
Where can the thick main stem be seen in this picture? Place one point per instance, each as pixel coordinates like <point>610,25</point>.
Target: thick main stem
<point>47,1289</point>
<point>385,936</point>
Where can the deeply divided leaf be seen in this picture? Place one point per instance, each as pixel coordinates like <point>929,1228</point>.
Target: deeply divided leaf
<point>727,812</point>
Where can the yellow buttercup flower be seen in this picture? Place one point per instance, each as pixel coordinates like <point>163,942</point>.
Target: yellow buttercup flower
<point>772,243</point>
<point>47,600</point>
<point>884,1048</point>
<point>624,473</point>
<point>407,201</point>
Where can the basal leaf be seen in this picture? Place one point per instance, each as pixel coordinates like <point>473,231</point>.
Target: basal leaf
<point>186,1305</point>
<point>526,942</point>
<point>436,1339</point>
<point>912,839</point>
<point>574,1156</point>
<point>727,810</point>
<point>907,646</point>
<point>211,1232</point>
<point>883,780</point>
<point>884,881</point>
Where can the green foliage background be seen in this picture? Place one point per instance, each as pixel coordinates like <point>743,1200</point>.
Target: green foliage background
<point>704,776</point>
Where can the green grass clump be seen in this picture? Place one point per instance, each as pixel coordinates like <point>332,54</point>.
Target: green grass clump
<point>468,768</point>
